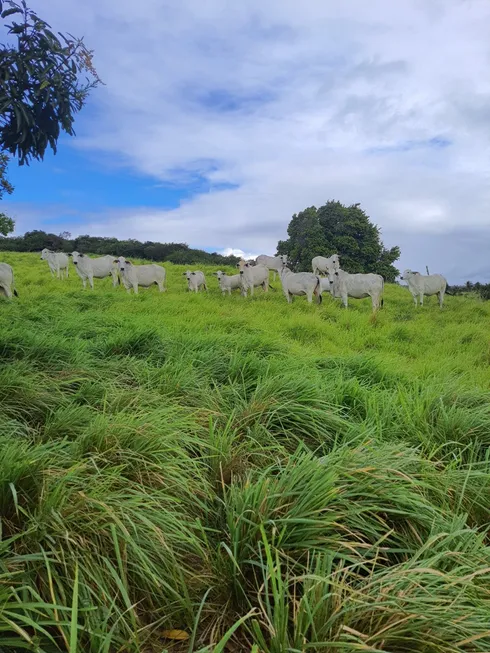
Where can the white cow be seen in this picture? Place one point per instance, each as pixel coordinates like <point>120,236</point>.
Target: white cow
<point>274,263</point>
<point>357,286</point>
<point>420,285</point>
<point>228,283</point>
<point>57,261</point>
<point>133,276</point>
<point>195,280</point>
<point>325,285</point>
<point>322,265</point>
<point>252,277</point>
<point>7,285</point>
<point>301,283</point>
<point>99,268</point>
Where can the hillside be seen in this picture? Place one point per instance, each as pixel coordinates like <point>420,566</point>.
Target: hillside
<point>243,470</point>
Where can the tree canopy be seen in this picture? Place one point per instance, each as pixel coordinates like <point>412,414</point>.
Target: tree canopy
<point>41,86</point>
<point>337,229</point>
<point>44,81</point>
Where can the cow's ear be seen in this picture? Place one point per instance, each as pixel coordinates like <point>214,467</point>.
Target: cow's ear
<point>128,262</point>
<point>82,255</point>
<point>115,260</point>
<point>193,273</point>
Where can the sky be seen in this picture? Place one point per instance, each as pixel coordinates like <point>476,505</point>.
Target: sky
<point>220,120</point>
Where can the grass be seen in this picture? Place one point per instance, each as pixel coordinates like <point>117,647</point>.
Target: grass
<point>185,472</point>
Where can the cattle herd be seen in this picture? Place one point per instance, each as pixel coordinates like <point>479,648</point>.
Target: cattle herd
<point>326,276</point>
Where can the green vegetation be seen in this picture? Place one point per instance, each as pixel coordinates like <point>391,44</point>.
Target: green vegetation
<point>343,230</point>
<point>180,253</point>
<point>270,477</point>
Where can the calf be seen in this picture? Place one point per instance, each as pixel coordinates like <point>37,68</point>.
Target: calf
<point>228,283</point>
<point>57,261</point>
<point>195,280</point>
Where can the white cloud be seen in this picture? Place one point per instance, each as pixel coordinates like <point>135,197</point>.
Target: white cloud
<point>233,251</point>
<point>295,104</point>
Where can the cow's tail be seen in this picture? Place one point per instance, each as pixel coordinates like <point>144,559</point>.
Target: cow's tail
<point>318,290</point>
<point>382,303</point>
<point>16,294</point>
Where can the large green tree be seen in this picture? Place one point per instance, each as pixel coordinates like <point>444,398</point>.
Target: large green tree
<point>345,230</point>
<point>44,81</point>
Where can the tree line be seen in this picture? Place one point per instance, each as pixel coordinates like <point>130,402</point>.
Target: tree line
<point>179,253</point>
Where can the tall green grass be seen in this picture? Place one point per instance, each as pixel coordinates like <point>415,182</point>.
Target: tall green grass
<point>204,473</point>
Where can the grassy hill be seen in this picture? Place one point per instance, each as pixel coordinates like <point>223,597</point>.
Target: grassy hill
<point>257,475</point>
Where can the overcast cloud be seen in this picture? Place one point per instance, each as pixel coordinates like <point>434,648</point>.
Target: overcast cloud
<point>281,105</point>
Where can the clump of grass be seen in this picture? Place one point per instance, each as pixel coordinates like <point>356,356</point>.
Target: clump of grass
<point>243,473</point>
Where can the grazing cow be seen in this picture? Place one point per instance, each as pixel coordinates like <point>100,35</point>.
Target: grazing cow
<point>140,275</point>
<point>274,263</point>
<point>57,261</point>
<point>420,285</point>
<point>322,265</point>
<point>252,277</point>
<point>195,280</point>
<point>228,283</point>
<point>99,268</point>
<point>357,286</point>
<point>7,285</point>
<point>301,283</point>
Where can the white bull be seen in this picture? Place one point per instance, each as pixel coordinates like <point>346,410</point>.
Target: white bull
<point>301,283</point>
<point>322,265</point>
<point>89,269</point>
<point>228,283</point>
<point>57,261</point>
<point>133,276</point>
<point>357,286</point>
<point>195,280</point>
<point>420,285</point>
<point>253,276</point>
<point>7,284</point>
<point>274,263</point>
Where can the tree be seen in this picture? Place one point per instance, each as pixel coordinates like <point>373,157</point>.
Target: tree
<point>306,239</point>
<point>40,87</point>
<point>345,230</point>
<point>6,223</point>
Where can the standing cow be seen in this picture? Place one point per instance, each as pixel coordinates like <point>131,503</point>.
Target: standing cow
<point>195,280</point>
<point>134,276</point>
<point>322,265</point>
<point>252,277</point>
<point>274,263</point>
<point>7,284</point>
<point>228,283</point>
<point>420,285</point>
<point>357,286</point>
<point>99,268</point>
<point>57,261</point>
<point>301,283</point>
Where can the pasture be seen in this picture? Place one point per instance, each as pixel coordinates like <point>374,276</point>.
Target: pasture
<point>192,472</point>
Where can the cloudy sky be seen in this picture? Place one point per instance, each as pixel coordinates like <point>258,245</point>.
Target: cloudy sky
<point>219,120</point>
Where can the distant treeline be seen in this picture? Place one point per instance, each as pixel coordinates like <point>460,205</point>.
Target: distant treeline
<point>180,253</point>
<point>482,289</point>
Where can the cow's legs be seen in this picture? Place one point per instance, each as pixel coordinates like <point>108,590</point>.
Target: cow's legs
<point>345,301</point>
<point>421,298</point>
<point>441,298</point>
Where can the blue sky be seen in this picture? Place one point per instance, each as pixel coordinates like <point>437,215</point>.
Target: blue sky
<point>218,121</point>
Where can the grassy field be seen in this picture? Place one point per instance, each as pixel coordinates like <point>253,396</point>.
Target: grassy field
<point>204,473</point>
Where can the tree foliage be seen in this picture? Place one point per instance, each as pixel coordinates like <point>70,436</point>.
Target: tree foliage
<point>41,88</point>
<point>180,253</point>
<point>344,230</point>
